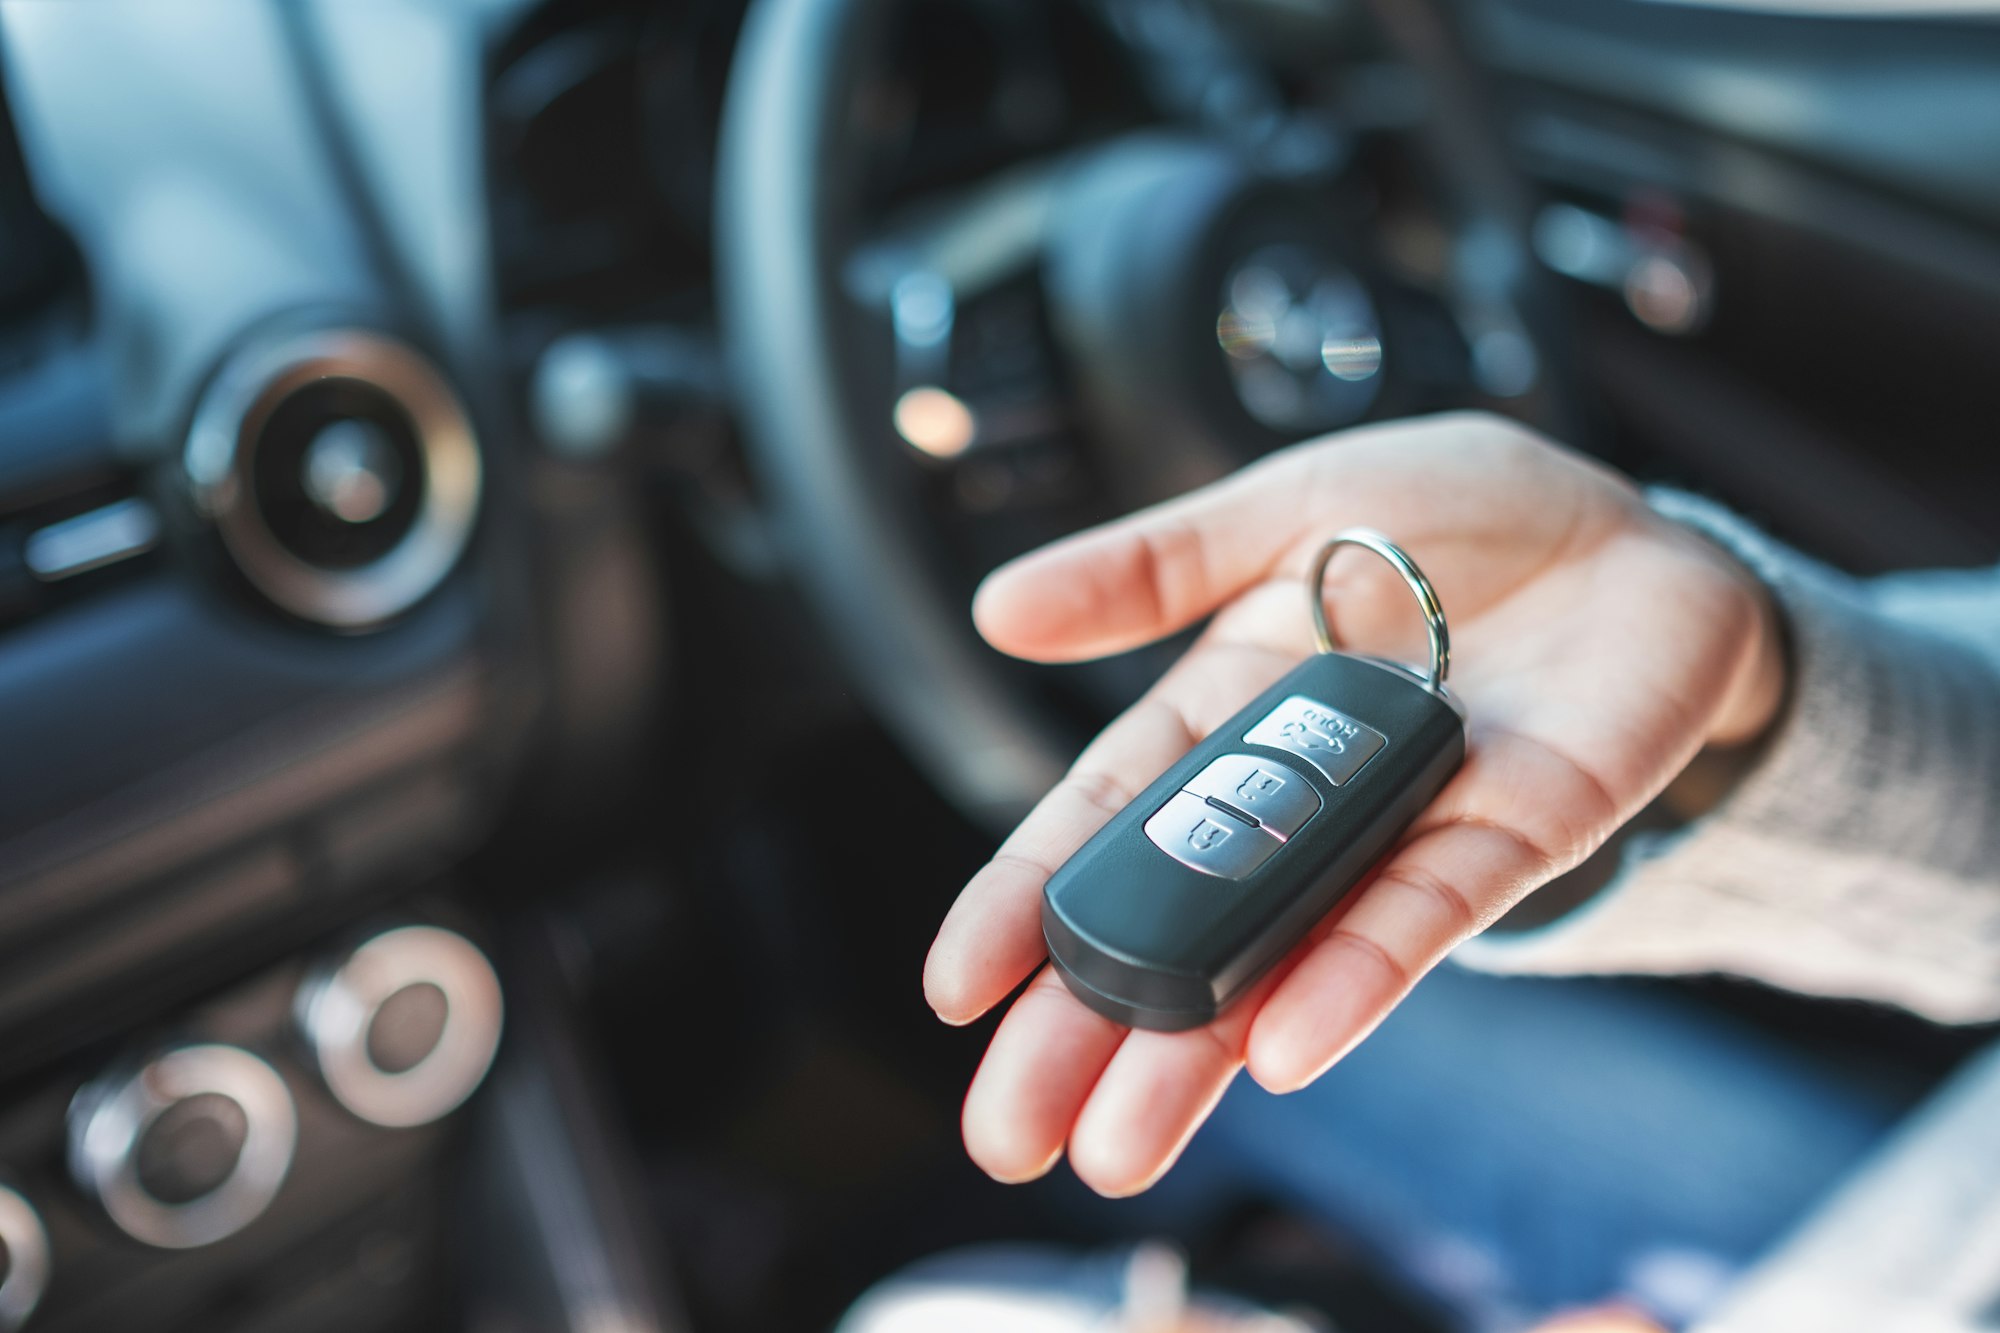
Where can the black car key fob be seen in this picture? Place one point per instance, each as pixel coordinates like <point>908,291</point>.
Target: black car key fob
<point>1223,864</point>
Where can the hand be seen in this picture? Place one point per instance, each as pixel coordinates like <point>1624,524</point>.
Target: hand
<point>1611,1319</point>
<point>1597,648</point>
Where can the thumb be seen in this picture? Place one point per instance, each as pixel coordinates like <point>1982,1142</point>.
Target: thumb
<point>1143,577</point>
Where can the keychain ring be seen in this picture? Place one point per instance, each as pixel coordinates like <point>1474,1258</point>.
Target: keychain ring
<point>1427,598</point>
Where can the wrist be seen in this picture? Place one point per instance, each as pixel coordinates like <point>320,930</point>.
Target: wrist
<point>1759,678</point>
<point>1750,707</point>
<point>1757,690</point>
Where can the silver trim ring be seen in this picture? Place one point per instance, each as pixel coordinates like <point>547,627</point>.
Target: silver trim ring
<point>222,447</point>
<point>1427,598</point>
<point>109,1120</point>
<point>27,1243</point>
<point>337,1009</point>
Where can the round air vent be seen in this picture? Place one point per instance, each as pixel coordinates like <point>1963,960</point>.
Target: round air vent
<point>340,470</point>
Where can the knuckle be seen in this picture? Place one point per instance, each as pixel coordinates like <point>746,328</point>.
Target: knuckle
<point>1446,899</point>
<point>1594,811</point>
<point>1171,566</point>
<point>1099,789</point>
<point>1398,974</point>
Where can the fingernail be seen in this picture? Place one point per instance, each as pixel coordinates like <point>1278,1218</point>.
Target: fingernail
<point>1025,1177</point>
<point>1284,1084</point>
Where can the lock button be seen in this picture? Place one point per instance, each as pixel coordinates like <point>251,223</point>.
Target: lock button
<point>1277,796</point>
<point>1324,737</point>
<point>1209,839</point>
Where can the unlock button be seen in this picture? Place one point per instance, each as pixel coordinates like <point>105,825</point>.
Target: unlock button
<point>1273,794</point>
<point>1208,839</point>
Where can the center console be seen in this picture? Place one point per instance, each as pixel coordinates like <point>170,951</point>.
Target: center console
<point>275,1146</point>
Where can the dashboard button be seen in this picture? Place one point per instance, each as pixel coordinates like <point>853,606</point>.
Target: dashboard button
<point>408,1027</point>
<point>188,1149</point>
<point>1324,737</point>
<point>191,1148</point>
<point>1276,796</point>
<point>1208,839</point>
<point>404,1027</point>
<point>26,1273</point>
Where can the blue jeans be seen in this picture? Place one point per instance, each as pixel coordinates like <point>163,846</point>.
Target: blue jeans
<point>1511,1146</point>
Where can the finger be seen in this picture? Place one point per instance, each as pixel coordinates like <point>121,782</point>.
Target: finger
<point>1153,1095</point>
<point>1516,815</point>
<point>992,936</point>
<point>1038,1071</point>
<point>1608,1319</point>
<point>1559,811</point>
<point>1149,1101</point>
<point>1443,886</point>
<point>1157,571</point>
<point>1148,575</point>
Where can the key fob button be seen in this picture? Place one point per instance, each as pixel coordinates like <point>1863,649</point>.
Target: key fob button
<point>1210,840</point>
<point>1276,796</point>
<point>1324,737</point>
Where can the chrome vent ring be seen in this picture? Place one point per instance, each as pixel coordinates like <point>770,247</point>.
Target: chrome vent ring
<point>340,470</point>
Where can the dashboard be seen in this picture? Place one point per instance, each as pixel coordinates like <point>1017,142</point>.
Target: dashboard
<point>267,657</point>
<point>196,734</point>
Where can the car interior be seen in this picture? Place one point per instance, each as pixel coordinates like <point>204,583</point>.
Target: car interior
<point>490,495</point>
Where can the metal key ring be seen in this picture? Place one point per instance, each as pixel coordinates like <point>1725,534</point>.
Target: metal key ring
<point>1427,598</point>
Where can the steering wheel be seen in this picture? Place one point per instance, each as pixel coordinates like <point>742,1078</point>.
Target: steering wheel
<point>1178,273</point>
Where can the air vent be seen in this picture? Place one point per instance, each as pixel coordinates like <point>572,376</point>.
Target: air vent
<point>341,472</point>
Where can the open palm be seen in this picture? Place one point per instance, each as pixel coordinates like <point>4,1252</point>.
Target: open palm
<point>1597,647</point>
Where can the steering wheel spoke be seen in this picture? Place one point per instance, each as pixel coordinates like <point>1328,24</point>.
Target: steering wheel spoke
<point>980,391</point>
